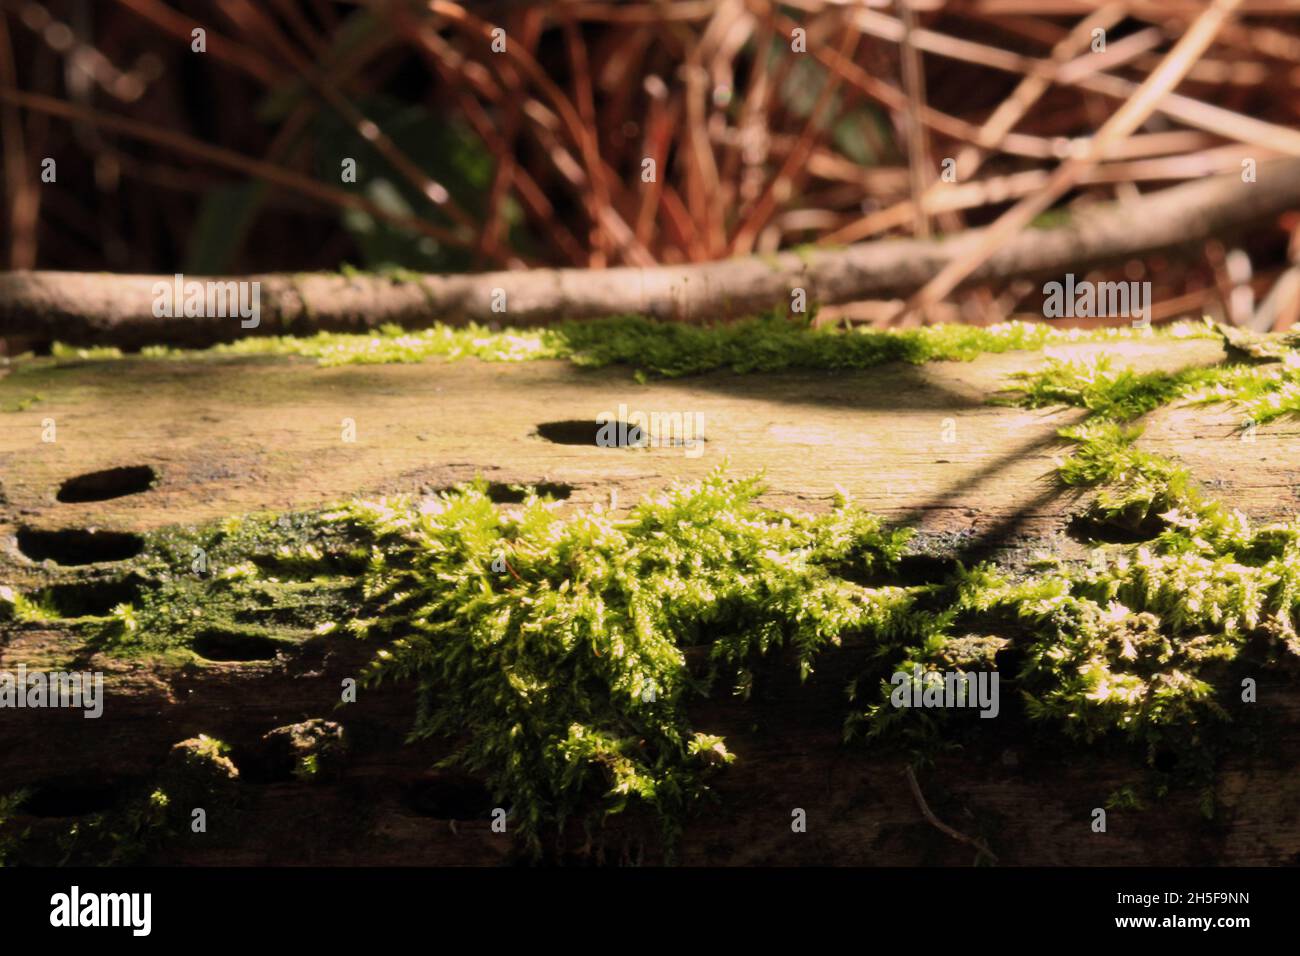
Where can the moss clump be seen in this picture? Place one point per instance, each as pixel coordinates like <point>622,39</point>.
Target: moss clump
<point>75,353</point>
<point>120,837</point>
<point>309,751</point>
<point>1134,486</point>
<point>199,774</point>
<point>21,403</point>
<point>1117,394</point>
<point>1148,640</point>
<point>558,646</point>
<point>1264,392</point>
<point>559,649</point>
<point>27,608</point>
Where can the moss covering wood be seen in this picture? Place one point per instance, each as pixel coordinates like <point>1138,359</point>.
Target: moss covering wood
<point>765,344</point>
<point>563,649</point>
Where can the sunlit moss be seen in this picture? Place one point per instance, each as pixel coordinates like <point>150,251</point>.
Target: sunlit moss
<point>78,353</point>
<point>770,343</point>
<point>1264,392</point>
<point>1135,642</point>
<point>560,641</point>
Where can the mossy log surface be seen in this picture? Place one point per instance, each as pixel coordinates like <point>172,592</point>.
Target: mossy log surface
<point>918,445</point>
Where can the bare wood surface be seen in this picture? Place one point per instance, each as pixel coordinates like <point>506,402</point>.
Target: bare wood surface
<point>229,436</point>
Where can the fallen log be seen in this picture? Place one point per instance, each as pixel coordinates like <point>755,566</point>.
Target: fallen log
<point>144,445</point>
<point>119,310</point>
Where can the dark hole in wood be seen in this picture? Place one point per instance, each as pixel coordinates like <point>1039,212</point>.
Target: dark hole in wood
<point>509,494</point>
<point>1089,529</point>
<point>916,569</point>
<point>219,644</point>
<point>1008,662</point>
<point>589,431</point>
<point>264,763</point>
<point>73,546</point>
<point>106,484</point>
<point>79,598</point>
<point>450,796</point>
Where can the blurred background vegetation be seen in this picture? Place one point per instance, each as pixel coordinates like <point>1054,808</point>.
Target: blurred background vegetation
<point>471,157</point>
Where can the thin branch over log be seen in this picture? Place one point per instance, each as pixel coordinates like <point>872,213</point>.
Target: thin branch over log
<point>97,308</point>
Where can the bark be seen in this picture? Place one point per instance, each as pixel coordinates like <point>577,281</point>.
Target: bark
<point>103,309</point>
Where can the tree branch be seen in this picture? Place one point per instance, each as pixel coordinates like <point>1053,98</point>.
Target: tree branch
<point>96,308</point>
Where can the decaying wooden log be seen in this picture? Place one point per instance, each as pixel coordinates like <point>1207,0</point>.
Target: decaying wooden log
<point>102,309</point>
<point>227,436</point>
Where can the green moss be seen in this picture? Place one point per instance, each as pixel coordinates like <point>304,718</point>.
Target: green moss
<point>1136,486</point>
<point>122,836</point>
<point>1263,392</point>
<point>561,643</point>
<point>313,750</point>
<point>1147,640</point>
<point>1125,798</point>
<point>94,353</point>
<point>198,772</point>
<point>33,608</point>
<point>22,403</point>
<point>1109,393</point>
<point>765,344</point>
<point>238,589</point>
<point>775,344</point>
